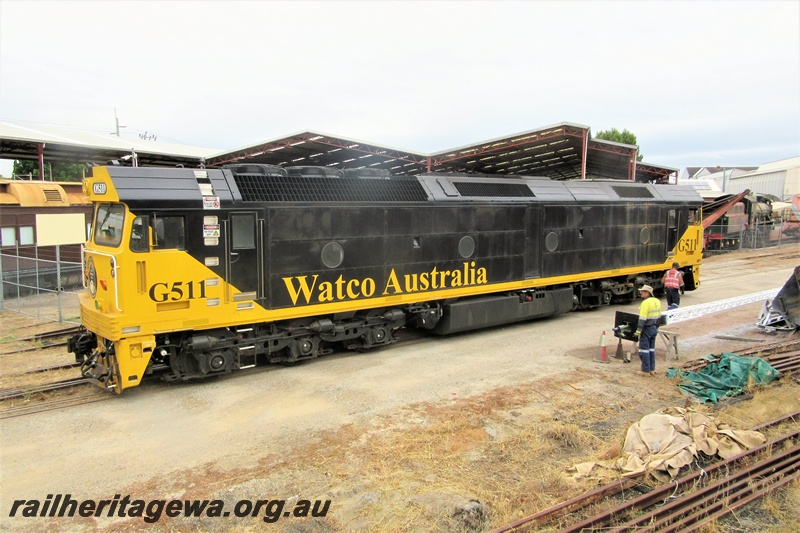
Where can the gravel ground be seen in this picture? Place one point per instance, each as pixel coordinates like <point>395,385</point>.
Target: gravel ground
<point>159,440</point>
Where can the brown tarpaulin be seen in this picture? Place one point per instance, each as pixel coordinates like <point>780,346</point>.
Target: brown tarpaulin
<point>663,442</point>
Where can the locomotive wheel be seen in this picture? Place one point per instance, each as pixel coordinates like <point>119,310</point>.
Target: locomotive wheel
<point>305,346</point>
<point>216,362</point>
<point>374,338</point>
<point>301,349</point>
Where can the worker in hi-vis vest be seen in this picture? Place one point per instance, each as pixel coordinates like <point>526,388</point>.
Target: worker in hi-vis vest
<point>673,283</point>
<point>647,329</point>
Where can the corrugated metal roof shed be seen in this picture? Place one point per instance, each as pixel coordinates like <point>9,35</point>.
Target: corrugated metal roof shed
<point>557,151</point>
<point>560,151</point>
<point>61,145</point>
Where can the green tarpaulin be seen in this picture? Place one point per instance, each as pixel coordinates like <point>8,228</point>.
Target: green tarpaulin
<point>726,375</point>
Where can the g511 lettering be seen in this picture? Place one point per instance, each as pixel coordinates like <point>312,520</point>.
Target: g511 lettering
<point>687,245</point>
<point>177,290</point>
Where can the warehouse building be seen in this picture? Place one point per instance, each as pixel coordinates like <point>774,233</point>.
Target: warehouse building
<point>560,151</point>
<point>779,178</point>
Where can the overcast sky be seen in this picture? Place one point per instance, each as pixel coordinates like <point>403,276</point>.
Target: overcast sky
<point>699,83</point>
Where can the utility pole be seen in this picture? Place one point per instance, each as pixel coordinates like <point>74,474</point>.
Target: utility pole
<point>116,124</point>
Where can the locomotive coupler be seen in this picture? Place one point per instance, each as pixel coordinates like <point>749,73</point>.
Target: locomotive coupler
<point>81,345</point>
<point>96,372</point>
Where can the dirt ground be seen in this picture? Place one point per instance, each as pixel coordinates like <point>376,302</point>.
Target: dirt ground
<point>464,433</point>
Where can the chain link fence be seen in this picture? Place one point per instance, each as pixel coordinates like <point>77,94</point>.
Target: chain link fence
<point>42,282</point>
<point>783,228</point>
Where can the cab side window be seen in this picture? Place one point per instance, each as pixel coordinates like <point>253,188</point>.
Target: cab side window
<point>140,235</point>
<point>243,231</point>
<point>169,233</point>
<point>108,224</point>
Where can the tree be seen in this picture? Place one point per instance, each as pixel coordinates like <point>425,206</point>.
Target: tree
<point>59,171</point>
<point>624,137</point>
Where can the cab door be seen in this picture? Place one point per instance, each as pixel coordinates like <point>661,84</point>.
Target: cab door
<point>243,253</point>
<point>673,219</point>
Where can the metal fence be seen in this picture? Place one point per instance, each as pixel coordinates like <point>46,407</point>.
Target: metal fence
<point>769,234</point>
<point>43,288</point>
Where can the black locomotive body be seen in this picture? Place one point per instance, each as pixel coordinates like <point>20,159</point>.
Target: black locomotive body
<point>216,270</point>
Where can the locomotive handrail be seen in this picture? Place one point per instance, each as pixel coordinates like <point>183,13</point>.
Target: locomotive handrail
<point>114,267</point>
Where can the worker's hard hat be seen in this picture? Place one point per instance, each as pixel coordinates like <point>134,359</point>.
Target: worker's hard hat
<point>647,288</point>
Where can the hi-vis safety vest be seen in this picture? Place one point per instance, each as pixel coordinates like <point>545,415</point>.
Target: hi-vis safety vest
<point>649,313</point>
<point>672,279</point>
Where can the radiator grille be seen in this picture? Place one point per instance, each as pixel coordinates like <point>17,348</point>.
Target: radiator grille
<point>259,188</point>
<point>469,188</point>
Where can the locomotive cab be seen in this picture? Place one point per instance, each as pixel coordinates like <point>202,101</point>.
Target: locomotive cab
<point>107,279</point>
<point>172,277</point>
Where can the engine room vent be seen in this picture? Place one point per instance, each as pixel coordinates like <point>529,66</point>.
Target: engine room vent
<point>52,195</point>
<point>259,188</point>
<point>254,168</point>
<point>632,192</point>
<point>375,173</point>
<point>507,190</point>
<point>314,172</point>
<point>204,182</point>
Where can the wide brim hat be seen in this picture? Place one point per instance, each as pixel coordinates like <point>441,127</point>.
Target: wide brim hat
<point>647,288</point>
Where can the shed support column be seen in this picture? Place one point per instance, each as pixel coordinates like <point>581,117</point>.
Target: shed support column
<point>585,153</point>
<point>632,166</point>
<point>40,150</point>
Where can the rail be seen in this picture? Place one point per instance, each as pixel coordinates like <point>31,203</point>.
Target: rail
<point>693,509</point>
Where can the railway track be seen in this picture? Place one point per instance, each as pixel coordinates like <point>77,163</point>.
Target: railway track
<point>22,392</point>
<point>63,332</point>
<point>39,370</point>
<point>696,499</point>
<point>40,400</point>
<point>40,337</point>
<point>784,357</point>
<point>688,503</point>
<point>56,333</point>
<point>34,348</point>
<point>52,405</point>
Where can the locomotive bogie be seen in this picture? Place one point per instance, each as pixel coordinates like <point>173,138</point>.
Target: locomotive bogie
<point>195,273</point>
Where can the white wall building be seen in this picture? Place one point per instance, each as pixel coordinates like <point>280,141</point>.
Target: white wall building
<point>780,178</point>
<point>715,177</point>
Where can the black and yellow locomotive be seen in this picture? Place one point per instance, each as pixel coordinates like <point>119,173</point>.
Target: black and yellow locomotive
<point>198,272</point>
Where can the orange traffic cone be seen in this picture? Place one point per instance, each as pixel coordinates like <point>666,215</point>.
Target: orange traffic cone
<point>603,352</point>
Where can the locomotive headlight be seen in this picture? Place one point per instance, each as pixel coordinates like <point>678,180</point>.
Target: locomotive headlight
<point>92,278</point>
